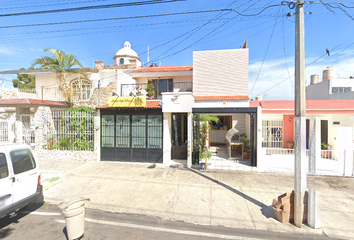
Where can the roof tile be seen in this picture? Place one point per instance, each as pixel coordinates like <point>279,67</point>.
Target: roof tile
<point>220,98</point>
<point>177,68</point>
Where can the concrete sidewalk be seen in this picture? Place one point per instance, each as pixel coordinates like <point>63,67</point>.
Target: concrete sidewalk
<point>228,198</point>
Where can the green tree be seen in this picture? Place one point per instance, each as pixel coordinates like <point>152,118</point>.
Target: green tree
<point>63,64</point>
<point>25,81</point>
<point>205,126</point>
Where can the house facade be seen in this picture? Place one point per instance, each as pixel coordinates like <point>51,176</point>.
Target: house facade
<point>335,121</point>
<point>152,114</point>
<point>331,87</point>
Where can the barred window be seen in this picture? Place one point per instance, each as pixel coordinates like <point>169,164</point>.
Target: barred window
<point>341,89</point>
<point>81,89</point>
<point>272,133</point>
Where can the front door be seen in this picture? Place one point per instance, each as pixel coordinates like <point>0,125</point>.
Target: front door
<point>179,136</point>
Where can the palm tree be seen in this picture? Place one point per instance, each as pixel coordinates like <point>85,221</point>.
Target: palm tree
<point>62,63</point>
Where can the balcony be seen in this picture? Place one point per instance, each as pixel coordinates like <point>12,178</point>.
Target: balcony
<point>159,87</point>
<point>49,94</point>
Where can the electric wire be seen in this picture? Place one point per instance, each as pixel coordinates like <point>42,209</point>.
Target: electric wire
<point>285,59</point>
<point>128,4</point>
<point>305,67</point>
<point>112,19</point>
<point>265,55</point>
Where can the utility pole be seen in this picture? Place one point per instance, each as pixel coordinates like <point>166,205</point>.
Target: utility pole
<point>300,115</point>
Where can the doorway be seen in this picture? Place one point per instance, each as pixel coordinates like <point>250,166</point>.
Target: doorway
<point>179,136</point>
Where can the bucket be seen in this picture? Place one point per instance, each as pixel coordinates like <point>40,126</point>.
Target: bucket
<point>74,214</point>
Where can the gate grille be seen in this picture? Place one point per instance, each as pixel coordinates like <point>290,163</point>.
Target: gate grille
<point>272,133</point>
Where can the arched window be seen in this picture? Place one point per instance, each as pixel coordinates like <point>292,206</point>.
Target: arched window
<point>121,61</point>
<point>81,89</point>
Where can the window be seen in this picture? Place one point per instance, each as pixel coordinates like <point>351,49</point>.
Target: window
<point>22,161</point>
<point>272,133</point>
<point>154,131</point>
<point>4,171</point>
<point>122,131</point>
<point>121,61</point>
<point>81,89</point>
<point>162,85</point>
<point>138,131</point>
<point>341,89</point>
<point>107,131</point>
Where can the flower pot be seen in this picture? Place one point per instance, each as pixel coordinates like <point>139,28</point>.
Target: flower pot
<point>246,155</point>
<point>289,145</point>
<point>325,154</point>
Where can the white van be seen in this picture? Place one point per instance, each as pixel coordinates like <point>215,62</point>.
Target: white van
<point>20,180</point>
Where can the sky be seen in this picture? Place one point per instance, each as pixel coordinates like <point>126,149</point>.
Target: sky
<point>269,31</point>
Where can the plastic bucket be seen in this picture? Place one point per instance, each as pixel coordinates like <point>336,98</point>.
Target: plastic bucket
<point>74,214</point>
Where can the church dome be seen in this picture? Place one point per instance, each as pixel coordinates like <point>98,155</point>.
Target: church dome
<point>126,50</point>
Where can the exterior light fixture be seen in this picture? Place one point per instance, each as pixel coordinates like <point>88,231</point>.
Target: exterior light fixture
<point>290,119</point>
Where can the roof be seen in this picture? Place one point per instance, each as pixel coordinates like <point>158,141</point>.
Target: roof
<point>149,104</point>
<point>126,50</point>
<point>27,101</point>
<point>178,68</point>
<point>312,106</point>
<point>220,98</point>
<point>45,71</point>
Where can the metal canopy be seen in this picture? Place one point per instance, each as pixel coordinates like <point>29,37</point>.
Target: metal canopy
<point>225,110</point>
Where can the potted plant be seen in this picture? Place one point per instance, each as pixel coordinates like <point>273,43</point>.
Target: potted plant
<point>325,146</point>
<point>150,90</point>
<point>246,146</point>
<point>289,144</point>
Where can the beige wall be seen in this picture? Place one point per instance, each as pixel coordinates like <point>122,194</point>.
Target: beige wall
<point>220,72</point>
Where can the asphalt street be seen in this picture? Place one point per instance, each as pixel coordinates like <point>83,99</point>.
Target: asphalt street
<point>45,222</point>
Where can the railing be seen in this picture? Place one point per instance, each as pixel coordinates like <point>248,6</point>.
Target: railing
<point>329,154</point>
<point>325,154</point>
<point>4,131</point>
<point>51,94</point>
<point>140,89</point>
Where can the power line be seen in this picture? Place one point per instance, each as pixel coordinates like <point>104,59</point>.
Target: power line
<point>285,58</point>
<point>305,67</point>
<point>265,55</point>
<point>120,18</point>
<point>128,4</point>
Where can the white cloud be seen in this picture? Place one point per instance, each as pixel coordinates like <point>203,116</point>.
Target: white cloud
<point>7,50</point>
<point>273,81</point>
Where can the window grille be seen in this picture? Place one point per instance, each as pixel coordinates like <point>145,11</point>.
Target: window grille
<point>81,89</point>
<point>272,133</point>
<point>341,89</point>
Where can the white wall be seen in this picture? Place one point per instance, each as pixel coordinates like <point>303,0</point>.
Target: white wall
<point>220,72</point>
<point>220,104</point>
<point>179,102</point>
<point>323,90</point>
<point>167,124</point>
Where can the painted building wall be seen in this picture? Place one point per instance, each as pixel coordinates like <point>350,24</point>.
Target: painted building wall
<point>288,128</point>
<point>323,90</point>
<point>220,72</point>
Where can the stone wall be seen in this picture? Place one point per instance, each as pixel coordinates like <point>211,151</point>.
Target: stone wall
<point>105,93</point>
<point>9,93</point>
<point>86,156</point>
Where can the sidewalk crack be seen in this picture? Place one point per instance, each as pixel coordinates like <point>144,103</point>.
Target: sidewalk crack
<point>175,201</point>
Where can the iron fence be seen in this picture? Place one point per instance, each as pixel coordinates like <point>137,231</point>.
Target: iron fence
<point>141,89</point>
<point>70,131</point>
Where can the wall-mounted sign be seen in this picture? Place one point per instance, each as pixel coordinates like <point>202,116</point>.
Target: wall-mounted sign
<point>127,102</point>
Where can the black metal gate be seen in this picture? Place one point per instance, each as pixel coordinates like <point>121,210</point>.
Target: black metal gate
<point>131,136</point>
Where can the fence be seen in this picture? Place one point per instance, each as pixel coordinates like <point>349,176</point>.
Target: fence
<point>70,130</point>
<point>55,94</point>
<point>4,131</point>
<point>331,162</point>
<point>140,89</point>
